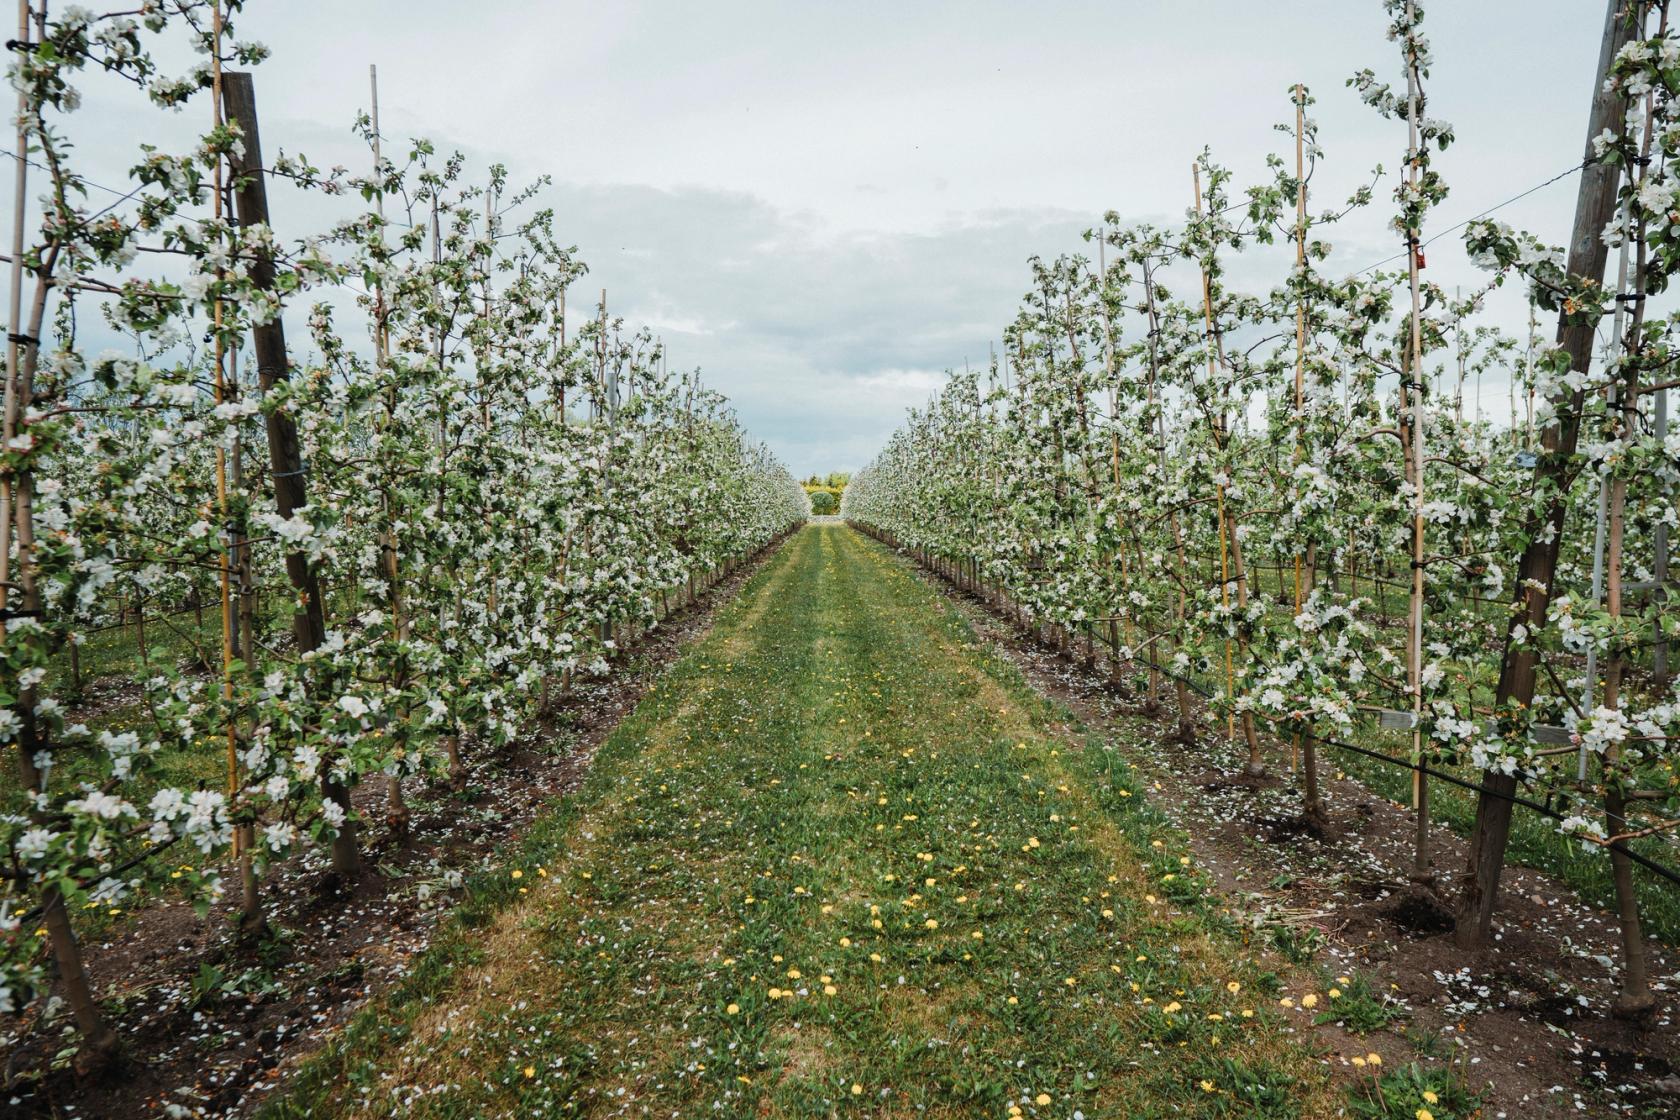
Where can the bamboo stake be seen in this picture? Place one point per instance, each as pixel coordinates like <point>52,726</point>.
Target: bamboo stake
<point>14,320</point>
<point>1114,421</point>
<point>397,814</point>
<point>1302,745</point>
<point>1230,552</point>
<point>1421,875</point>
<point>251,906</point>
<point>1219,487</point>
<point>1186,723</point>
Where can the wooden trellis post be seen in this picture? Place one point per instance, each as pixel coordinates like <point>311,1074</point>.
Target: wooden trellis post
<point>1595,206</point>
<point>286,466</point>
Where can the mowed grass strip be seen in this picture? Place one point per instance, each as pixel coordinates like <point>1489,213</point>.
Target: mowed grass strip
<point>839,863</point>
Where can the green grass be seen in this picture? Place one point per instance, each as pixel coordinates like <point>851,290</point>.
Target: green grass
<point>840,861</point>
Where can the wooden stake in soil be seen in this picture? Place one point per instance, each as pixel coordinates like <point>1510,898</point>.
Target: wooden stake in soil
<point>1303,744</point>
<point>250,917</point>
<point>285,457</point>
<point>1230,551</point>
<point>1595,206</point>
<point>1421,875</point>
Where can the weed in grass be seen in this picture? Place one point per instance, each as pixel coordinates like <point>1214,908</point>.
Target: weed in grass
<point>1298,944</point>
<point>1425,1043</point>
<point>1358,1007</point>
<point>1234,1088</point>
<point>1412,1092</point>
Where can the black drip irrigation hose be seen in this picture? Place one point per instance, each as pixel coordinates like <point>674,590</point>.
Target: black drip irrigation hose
<point>1651,865</point>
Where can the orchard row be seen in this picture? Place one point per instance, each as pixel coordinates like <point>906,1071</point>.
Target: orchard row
<point>463,497</point>
<point>1278,496</point>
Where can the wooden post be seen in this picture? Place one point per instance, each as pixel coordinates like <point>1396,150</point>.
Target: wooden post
<point>1595,206</point>
<point>309,625</point>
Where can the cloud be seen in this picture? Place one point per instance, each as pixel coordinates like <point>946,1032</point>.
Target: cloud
<point>821,338</point>
<point>809,225</point>
<point>903,382</point>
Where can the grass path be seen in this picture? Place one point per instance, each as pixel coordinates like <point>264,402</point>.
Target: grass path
<point>838,863</point>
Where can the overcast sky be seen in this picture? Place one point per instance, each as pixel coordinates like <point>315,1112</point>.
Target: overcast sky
<point>826,205</point>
